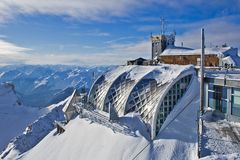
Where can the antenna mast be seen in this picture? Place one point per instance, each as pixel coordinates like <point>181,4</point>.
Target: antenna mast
<point>162,20</point>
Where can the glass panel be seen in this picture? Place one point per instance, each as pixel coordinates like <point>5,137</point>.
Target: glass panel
<point>236,91</point>
<point>217,97</point>
<point>210,86</point>
<point>224,106</point>
<point>236,102</point>
<point>171,99</point>
<point>211,100</point>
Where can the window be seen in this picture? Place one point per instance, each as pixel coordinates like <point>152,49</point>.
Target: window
<point>217,97</point>
<point>115,91</point>
<point>236,102</point>
<point>165,110</point>
<point>141,94</point>
<point>171,99</point>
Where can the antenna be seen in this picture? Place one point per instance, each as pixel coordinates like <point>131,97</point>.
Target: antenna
<point>174,32</point>
<point>163,27</point>
<point>93,77</point>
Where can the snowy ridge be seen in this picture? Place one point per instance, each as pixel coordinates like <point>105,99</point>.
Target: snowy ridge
<point>35,132</point>
<point>12,112</point>
<point>44,81</point>
<point>8,95</point>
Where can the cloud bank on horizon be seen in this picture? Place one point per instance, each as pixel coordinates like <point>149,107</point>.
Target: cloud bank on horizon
<point>98,32</point>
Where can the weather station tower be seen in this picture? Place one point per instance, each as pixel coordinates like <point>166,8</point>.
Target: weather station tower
<point>161,41</point>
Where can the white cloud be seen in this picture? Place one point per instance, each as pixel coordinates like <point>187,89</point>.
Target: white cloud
<point>7,48</point>
<point>114,54</point>
<point>217,32</point>
<point>79,9</point>
<point>97,10</point>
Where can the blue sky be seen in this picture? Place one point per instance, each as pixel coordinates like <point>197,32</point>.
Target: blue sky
<point>97,32</point>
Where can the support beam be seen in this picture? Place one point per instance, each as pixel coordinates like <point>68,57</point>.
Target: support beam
<point>202,72</point>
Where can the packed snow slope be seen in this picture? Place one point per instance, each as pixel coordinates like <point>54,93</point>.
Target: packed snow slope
<point>43,85</point>
<point>86,140</point>
<point>14,117</point>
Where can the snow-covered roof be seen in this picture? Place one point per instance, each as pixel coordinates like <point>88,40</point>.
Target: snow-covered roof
<point>106,80</point>
<point>228,60</point>
<point>126,80</point>
<point>173,50</point>
<point>228,55</point>
<point>233,59</point>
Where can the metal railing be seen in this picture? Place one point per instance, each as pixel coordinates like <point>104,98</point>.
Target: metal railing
<point>97,117</point>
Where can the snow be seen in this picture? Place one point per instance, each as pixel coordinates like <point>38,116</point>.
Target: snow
<point>50,84</point>
<point>85,140</point>
<point>220,137</point>
<point>69,101</point>
<point>229,54</point>
<point>165,77</point>
<point>161,73</point>
<point>39,83</point>
<point>173,50</point>
<point>1,74</point>
<point>35,131</point>
<point>178,136</point>
<point>12,113</point>
<point>187,51</point>
<point>228,60</point>
<point>234,156</point>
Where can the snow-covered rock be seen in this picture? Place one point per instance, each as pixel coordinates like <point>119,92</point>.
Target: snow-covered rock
<point>14,117</point>
<point>34,132</point>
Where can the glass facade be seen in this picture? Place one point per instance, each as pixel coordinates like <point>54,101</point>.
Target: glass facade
<point>141,95</point>
<point>97,91</point>
<point>236,102</point>
<point>116,91</point>
<point>171,99</point>
<point>217,97</point>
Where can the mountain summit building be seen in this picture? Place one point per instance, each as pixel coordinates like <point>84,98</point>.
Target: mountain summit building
<point>165,51</point>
